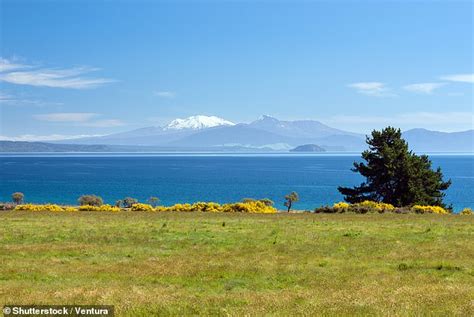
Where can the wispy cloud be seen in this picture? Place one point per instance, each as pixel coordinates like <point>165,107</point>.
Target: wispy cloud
<point>66,116</point>
<point>72,78</point>
<point>83,119</point>
<point>376,89</point>
<point>463,78</point>
<point>424,88</point>
<point>165,94</point>
<point>7,65</point>
<point>50,137</point>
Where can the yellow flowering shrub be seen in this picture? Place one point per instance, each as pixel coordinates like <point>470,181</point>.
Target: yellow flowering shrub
<point>88,208</point>
<point>69,209</point>
<point>342,206</point>
<point>32,207</point>
<point>161,208</point>
<point>466,212</point>
<point>248,207</point>
<point>141,207</point>
<point>375,206</point>
<point>429,209</point>
<point>106,208</point>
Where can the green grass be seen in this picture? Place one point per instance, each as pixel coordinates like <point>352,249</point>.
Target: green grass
<point>240,264</point>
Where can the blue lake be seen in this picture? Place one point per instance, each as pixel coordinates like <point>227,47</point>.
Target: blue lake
<point>189,178</point>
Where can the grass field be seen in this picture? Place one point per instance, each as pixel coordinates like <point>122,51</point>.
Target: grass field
<point>240,264</point>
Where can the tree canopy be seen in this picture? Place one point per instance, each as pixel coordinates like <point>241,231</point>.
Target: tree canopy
<point>396,175</point>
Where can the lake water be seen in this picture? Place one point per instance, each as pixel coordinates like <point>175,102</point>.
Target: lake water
<point>190,178</point>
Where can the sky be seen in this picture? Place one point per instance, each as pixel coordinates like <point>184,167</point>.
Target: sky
<point>81,68</point>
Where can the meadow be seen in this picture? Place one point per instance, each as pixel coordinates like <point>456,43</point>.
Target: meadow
<point>194,263</point>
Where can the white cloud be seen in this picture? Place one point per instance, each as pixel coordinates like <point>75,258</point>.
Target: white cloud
<point>82,119</point>
<point>66,116</point>
<point>165,94</point>
<point>6,65</point>
<point>463,78</point>
<point>50,137</point>
<point>49,77</point>
<point>424,88</point>
<point>374,88</point>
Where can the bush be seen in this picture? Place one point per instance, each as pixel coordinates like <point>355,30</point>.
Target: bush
<point>141,207</point>
<point>372,206</point>
<point>31,207</point>
<point>90,200</point>
<point>108,208</point>
<point>359,208</point>
<point>18,198</point>
<point>251,206</point>
<point>429,209</point>
<point>341,206</point>
<point>7,206</point>
<point>466,212</point>
<point>128,202</point>
<point>326,210</point>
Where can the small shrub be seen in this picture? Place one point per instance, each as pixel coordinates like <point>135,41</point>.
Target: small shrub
<point>325,210</point>
<point>7,206</point>
<point>105,208</point>
<point>153,201</point>
<point>142,207</point>
<point>429,209</point>
<point>18,198</point>
<point>90,200</point>
<point>466,212</point>
<point>31,207</point>
<point>128,202</point>
<point>341,206</point>
<point>373,206</point>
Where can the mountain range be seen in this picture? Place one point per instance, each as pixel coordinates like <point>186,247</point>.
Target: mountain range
<point>210,133</point>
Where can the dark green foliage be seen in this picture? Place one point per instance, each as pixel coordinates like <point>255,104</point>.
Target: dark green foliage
<point>18,197</point>
<point>290,199</point>
<point>396,175</point>
<point>129,202</point>
<point>91,200</point>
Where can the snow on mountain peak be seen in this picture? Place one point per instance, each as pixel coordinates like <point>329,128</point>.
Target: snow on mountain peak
<point>197,123</point>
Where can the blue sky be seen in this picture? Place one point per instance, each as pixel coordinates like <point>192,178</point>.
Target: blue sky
<point>91,67</point>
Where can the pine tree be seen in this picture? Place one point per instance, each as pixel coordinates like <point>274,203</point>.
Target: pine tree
<point>396,175</point>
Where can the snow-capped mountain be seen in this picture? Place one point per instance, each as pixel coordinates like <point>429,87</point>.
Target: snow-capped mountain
<point>210,133</point>
<point>197,123</point>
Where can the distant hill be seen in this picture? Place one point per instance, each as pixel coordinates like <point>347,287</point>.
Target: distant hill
<point>19,146</point>
<point>422,140</point>
<point>212,132</point>
<point>203,133</point>
<point>308,148</point>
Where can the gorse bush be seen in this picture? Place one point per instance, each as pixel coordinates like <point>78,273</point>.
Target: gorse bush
<point>141,207</point>
<point>429,210</point>
<point>48,207</point>
<point>250,206</point>
<point>105,208</point>
<point>368,206</point>
<point>466,212</point>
